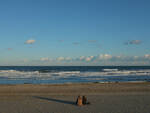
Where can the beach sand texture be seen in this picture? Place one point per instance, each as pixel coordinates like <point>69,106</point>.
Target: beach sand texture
<point>104,98</point>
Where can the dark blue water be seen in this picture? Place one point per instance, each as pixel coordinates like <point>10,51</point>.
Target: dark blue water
<point>72,74</point>
<point>71,68</point>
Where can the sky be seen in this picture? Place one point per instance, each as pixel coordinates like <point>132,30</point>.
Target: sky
<point>74,32</point>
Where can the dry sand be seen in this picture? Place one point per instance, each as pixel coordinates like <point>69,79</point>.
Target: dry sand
<point>104,98</point>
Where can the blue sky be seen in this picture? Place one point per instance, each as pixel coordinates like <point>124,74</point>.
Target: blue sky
<point>74,32</point>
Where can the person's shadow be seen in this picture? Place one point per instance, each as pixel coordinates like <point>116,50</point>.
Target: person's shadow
<point>56,100</point>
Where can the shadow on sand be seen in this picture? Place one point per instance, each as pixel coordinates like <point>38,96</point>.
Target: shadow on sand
<point>55,100</point>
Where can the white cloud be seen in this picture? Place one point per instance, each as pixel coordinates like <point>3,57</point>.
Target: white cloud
<point>68,58</point>
<point>30,41</point>
<point>64,59</point>
<point>82,57</point>
<point>136,57</point>
<point>133,42</point>
<point>88,59</point>
<point>60,58</point>
<point>147,56</point>
<point>118,56</point>
<point>45,59</point>
<point>105,57</point>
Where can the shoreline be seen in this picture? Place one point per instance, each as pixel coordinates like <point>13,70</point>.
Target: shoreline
<point>75,88</point>
<point>65,83</point>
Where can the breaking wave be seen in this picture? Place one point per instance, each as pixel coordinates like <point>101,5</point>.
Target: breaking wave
<point>64,74</point>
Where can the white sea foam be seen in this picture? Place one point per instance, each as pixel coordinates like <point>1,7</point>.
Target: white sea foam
<point>14,74</point>
<point>110,70</point>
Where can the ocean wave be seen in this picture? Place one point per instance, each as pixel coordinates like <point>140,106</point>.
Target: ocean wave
<point>64,74</point>
<point>108,70</point>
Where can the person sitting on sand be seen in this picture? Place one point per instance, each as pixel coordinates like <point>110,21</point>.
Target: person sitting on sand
<point>79,101</point>
<point>84,100</point>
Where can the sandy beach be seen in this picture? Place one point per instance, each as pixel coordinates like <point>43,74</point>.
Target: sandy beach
<point>104,98</point>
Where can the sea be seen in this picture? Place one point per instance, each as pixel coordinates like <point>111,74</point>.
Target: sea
<point>73,74</point>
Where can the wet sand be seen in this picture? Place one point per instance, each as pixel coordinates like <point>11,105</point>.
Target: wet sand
<point>104,98</point>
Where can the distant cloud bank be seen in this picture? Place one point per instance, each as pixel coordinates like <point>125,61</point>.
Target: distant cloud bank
<point>103,59</point>
<point>97,60</point>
